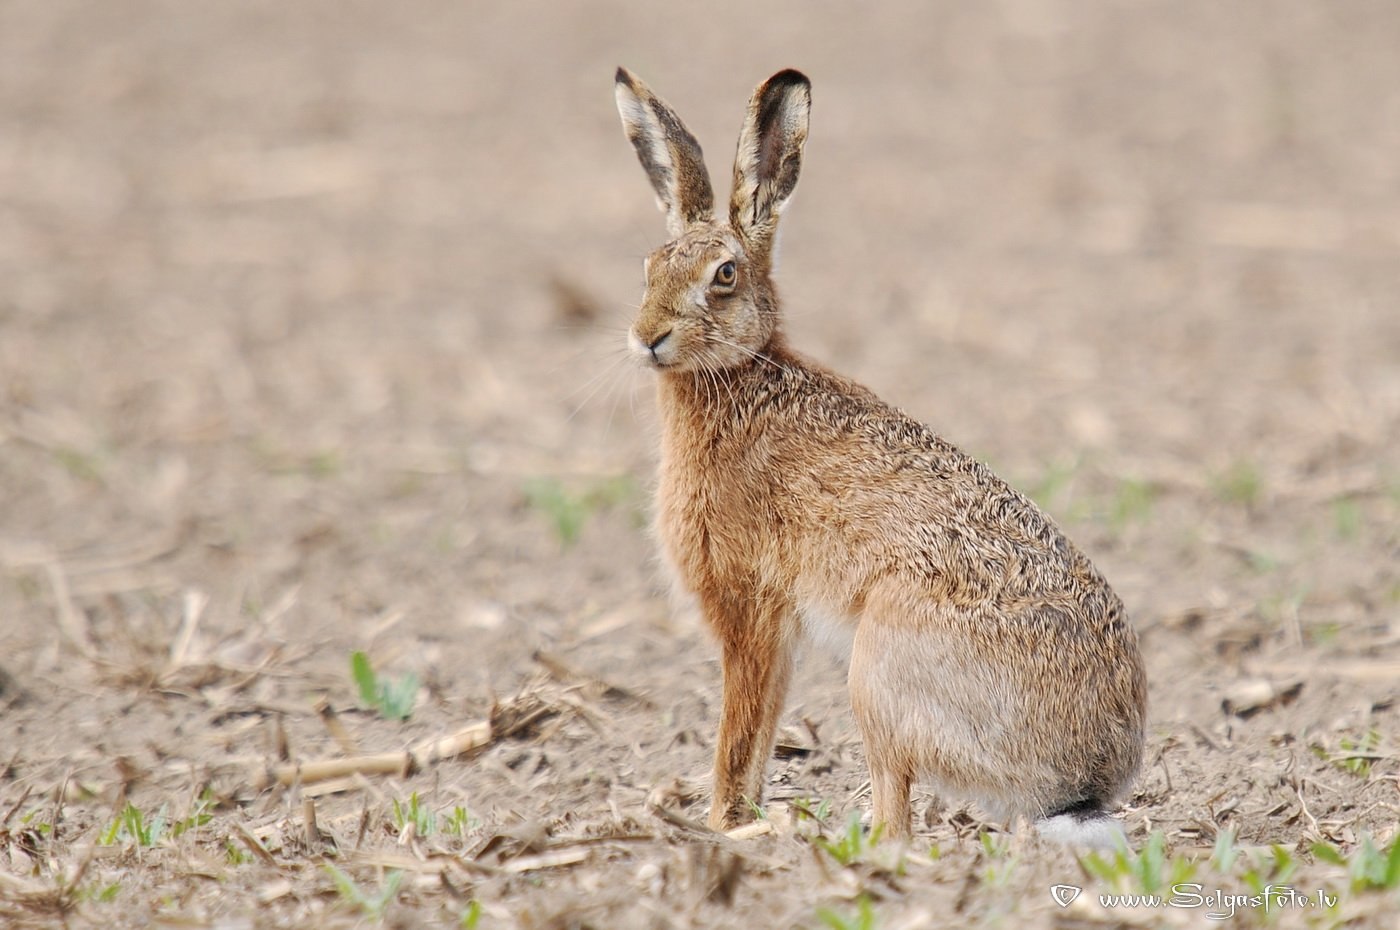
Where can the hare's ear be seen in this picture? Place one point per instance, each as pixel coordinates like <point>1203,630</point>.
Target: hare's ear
<point>770,155</point>
<point>668,152</point>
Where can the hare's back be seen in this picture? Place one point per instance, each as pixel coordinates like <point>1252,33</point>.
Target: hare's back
<point>888,494</point>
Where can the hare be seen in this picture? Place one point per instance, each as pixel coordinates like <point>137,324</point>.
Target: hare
<point>986,654</point>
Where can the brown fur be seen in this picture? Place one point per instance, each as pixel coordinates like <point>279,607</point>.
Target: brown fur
<point>987,653</point>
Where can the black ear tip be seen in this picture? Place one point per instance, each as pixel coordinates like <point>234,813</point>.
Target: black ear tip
<point>789,78</point>
<point>624,76</point>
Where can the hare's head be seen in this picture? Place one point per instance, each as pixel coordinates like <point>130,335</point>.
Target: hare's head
<point>709,303</point>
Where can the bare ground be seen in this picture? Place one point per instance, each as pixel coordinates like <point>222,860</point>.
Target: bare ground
<point>310,343</point>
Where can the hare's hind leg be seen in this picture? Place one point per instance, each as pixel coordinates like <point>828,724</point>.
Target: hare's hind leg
<point>757,650</point>
<point>889,795</point>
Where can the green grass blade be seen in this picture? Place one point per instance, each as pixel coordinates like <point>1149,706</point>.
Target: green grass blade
<point>1391,878</point>
<point>345,885</point>
<point>365,678</point>
<point>1324,852</point>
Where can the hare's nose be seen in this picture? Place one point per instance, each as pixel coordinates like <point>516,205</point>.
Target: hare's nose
<point>656,343</point>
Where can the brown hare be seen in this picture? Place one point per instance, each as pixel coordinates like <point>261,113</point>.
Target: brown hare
<point>986,654</point>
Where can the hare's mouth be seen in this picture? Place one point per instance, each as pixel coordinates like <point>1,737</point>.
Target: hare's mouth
<point>671,364</point>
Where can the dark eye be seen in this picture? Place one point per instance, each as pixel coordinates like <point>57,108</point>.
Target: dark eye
<point>726,274</point>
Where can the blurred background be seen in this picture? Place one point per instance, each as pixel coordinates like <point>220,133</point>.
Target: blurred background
<point>249,242</point>
<point>315,312</point>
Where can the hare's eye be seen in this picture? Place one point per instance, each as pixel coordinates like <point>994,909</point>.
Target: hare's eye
<point>726,274</point>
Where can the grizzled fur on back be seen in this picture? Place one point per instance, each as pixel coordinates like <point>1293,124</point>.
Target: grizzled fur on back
<point>987,654</point>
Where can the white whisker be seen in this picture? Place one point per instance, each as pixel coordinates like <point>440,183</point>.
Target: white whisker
<point>746,350</point>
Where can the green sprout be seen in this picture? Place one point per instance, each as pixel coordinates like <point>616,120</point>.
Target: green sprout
<point>393,699</point>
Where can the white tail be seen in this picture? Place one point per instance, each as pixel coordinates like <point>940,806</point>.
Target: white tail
<point>1098,831</point>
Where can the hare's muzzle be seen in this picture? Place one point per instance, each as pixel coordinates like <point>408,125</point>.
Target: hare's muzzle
<point>658,350</point>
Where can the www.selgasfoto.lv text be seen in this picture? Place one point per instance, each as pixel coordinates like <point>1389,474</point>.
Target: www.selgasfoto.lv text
<point>1222,905</point>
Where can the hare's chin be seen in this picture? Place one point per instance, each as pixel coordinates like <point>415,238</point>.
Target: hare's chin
<point>669,361</point>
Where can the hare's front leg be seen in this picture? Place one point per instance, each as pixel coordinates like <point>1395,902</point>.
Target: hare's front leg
<point>757,657</point>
